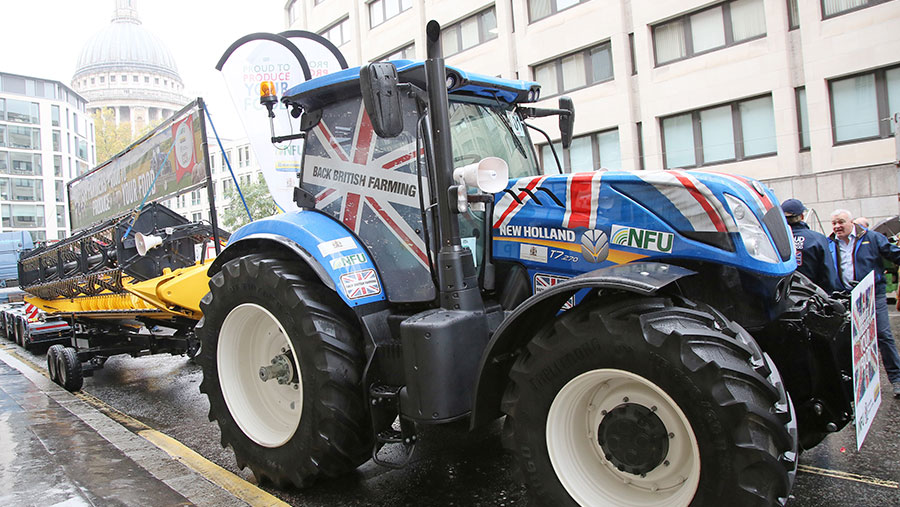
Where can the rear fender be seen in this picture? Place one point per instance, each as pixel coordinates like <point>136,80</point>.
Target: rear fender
<point>644,278</point>
<point>333,253</point>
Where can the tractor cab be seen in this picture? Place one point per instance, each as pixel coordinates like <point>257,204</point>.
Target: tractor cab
<point>379,184</point>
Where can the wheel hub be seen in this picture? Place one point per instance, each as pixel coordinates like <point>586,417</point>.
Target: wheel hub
<point>280,370</point>
<point>633,438</point>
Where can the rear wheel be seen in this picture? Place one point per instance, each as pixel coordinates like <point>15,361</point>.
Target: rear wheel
<point>71,377</point>
<point>649,402</point>
<point>53,362</point>
<point>282,366</point>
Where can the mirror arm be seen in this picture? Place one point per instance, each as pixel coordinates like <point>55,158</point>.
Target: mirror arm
<point>536,112</point>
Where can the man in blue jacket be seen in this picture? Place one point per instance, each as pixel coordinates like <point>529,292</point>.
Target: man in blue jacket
<point>813,258</point>
<point>857,251</point>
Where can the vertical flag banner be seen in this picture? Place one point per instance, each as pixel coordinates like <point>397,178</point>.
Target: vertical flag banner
<point>321,55</point>
<point>866,383</point>
<point>248,62</point>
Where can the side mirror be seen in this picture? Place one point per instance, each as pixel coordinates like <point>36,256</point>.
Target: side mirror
<point>381,96</point>
<point>566,121</point>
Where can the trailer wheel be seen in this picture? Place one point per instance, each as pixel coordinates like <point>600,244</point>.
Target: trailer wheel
<point>71,377</point>
<point>20,332</point>
<point>53,354</point>
<point>651,402</point>
<point>282,366</point>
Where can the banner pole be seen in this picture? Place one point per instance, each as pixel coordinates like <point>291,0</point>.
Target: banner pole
<point>210,191</point>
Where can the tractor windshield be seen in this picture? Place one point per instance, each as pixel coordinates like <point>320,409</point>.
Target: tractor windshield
<point>479,131</point>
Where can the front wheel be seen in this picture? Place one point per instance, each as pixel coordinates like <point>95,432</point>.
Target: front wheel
<point>282,366</point>
<point>649,402</point>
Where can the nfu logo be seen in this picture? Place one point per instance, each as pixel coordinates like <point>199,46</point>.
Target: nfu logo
<point>642,238</point>
<point>594,245</point>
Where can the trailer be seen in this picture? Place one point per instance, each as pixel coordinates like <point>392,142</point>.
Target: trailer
<point>130,279</point>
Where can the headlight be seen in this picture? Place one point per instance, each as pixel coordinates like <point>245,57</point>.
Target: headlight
<point>754,236</point>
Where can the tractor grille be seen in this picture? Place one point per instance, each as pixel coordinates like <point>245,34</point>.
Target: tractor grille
<point>774,221</point>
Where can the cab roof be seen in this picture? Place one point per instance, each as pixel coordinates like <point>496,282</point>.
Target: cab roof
<point>321,91</point>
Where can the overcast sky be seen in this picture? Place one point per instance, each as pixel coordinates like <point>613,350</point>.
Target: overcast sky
<point>43,38</point>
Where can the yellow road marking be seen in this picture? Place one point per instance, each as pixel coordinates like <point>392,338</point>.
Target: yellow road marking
<point>226,480</point>
<point>874,481</point>
<point>218,475</point>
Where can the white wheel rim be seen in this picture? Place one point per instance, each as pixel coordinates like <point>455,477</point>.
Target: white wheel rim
<point>578,459</point>
<point>267,412</point>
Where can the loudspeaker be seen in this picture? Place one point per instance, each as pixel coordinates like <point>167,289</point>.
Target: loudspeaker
<point>490,175</point>
<point>143,242</point>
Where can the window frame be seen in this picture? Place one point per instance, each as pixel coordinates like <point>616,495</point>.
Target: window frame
<point>383,4</point>
<point>881,101</point>
<point>737,131</point>
<point>793,24</point>
<point>385,57</point>
<point>869,3</point>
<point>457,27</point>
<point>554,10</point>
<point>797,91</point>
<point>565,155</point>
<point>685,19</point>
<point>344,30</point>
<point>588,68</point>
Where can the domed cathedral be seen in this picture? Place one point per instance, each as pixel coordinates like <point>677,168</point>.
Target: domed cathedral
<point>126,68</point>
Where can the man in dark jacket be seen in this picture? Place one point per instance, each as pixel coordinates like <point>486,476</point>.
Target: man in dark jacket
<point>857,251</point>
<point>813,258</point>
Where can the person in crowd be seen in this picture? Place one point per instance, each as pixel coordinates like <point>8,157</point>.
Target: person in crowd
<point>813,259</point>
<point>863,221</point>
<point>856,252</point>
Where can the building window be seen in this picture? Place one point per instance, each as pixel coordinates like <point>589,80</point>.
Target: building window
<point>726,133</point>
<point>22,215</point>
<point>793,14</point>
<point>247,155</point>
<point>862,105</point>
<point>112,79</point>
<point>227,186</point>
<point>240,157</point>
<point>802,118</point>
<point>54,115</point>
<point>24,137</point>
<point>294,9</point>
<point>124,79</point>
<point>195,197</point>
<point>540,9</point>
<point>383,10</point>
<point>82,149</point>
<point>471,31</point>
<point>56,136</point>
<point>57,166</point>
<point>21,189</point>
<point>831,8</point>
<point>632,54</point>
<point>21,111</point>
<point>338,33</point>
<point>61,217</point>
<point>407,52</point>
<point>134,79</point>
<point>575,70</point>
<point>587,153</point>
<point>21,164</point>
<point>60,191</point>
<point>196,217</point>
<point>156,80</point>
<point>709,29</point>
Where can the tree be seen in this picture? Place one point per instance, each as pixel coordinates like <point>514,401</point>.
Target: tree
<point>110,138</point>
<point>258,198</point>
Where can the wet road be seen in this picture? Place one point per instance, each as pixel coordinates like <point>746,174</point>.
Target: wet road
<point>454,467</point>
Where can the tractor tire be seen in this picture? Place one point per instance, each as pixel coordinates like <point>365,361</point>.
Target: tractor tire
<point>53,354</point>
<point>317,423</point>
<point>651,402</point>
<point>71,377</point>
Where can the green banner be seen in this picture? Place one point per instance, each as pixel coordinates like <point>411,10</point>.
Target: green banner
<point>169,160</point>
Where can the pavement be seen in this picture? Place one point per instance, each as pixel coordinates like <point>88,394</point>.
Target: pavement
<point>60,449</point>
<point>63,449</point>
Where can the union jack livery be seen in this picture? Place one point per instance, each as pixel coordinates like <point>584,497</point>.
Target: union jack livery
<point>360,284</point>
<point>371,186</point>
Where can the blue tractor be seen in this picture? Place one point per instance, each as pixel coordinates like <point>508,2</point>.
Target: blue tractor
<point>643,333</point>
